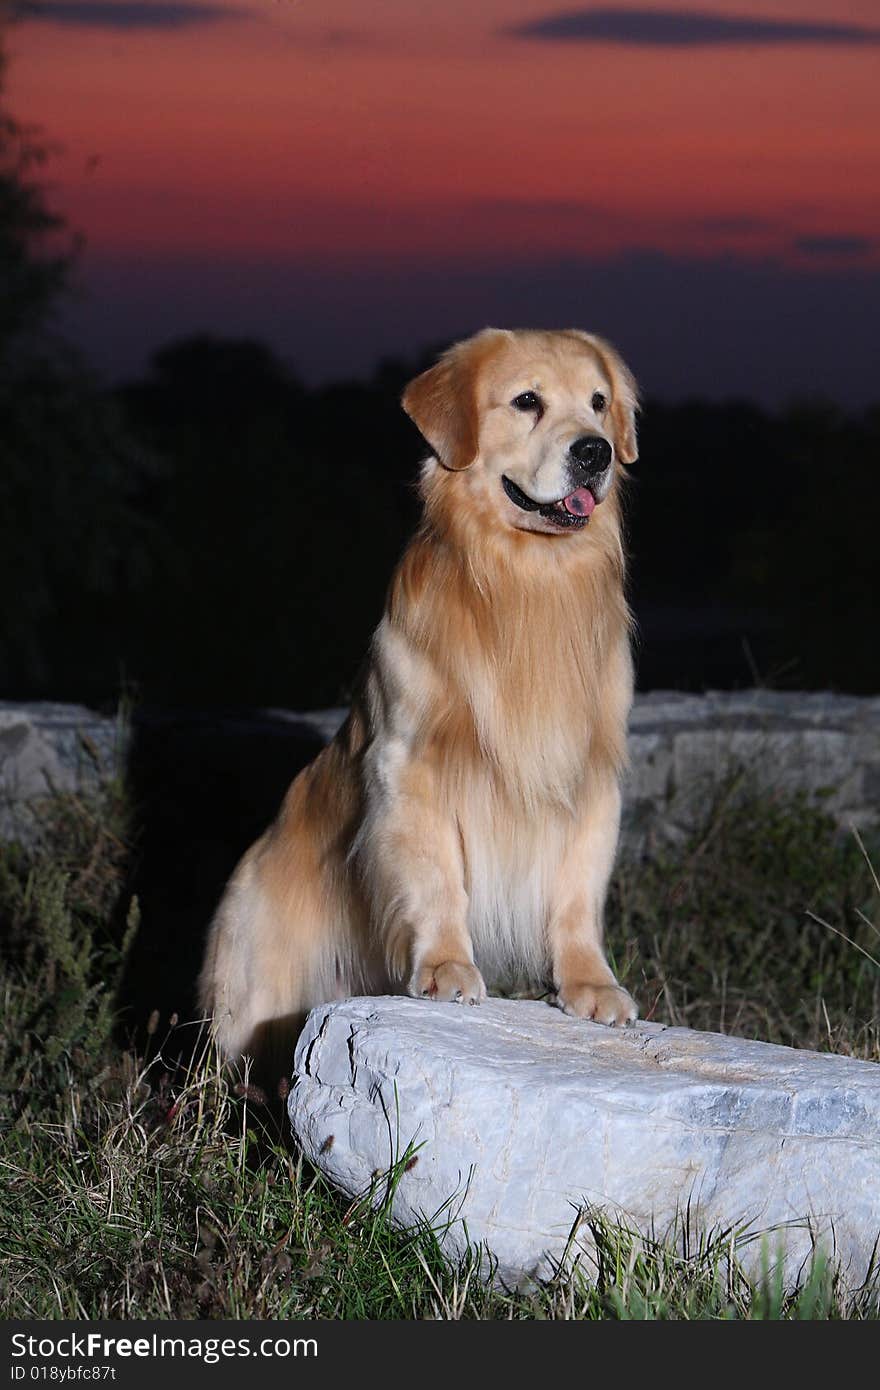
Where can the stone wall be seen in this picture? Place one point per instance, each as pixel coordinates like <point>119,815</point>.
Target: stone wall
<point>46,748</point>
<point>684,749</point>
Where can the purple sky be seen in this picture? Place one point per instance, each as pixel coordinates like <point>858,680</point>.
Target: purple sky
<point>699,183</point>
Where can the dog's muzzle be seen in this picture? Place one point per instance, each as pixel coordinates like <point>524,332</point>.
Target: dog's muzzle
<point>588,462</point>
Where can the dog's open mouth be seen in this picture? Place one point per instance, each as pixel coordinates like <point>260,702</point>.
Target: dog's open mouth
<point>572,511</point>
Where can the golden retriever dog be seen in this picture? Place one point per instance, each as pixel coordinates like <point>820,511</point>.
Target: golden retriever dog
<point>462,825</point>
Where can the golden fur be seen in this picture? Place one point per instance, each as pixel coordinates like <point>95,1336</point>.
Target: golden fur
<point>463,822</point>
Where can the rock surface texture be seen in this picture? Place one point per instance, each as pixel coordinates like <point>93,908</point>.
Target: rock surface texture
<point>683,749</point>
<point>520,1117</point>
<point>46,748</point>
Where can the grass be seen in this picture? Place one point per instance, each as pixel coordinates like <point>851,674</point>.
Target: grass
<point>139,1185</point>
<point>762,926</point>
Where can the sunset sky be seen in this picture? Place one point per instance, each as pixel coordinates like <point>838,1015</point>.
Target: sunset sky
<point>345,179</point>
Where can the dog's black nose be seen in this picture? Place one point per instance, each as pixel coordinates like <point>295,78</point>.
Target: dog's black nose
<point>591,453</point>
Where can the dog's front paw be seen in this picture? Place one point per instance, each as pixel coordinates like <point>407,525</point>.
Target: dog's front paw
<point>604,1003</point>
<point>453,981</point>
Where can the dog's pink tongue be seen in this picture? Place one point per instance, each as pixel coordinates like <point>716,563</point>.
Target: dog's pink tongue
<point>581,502</point>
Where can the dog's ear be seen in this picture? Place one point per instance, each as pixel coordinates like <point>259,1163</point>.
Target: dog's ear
<point>442,402</point>
<point>624,396</point>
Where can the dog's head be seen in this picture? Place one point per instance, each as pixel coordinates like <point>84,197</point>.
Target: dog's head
<point>542,420</point>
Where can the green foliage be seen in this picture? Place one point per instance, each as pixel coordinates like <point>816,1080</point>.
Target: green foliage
<point>66,928</point>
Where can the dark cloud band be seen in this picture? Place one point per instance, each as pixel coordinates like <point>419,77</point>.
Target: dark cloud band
<point>835,245</point>
<point>686,28</point>
<point>130,14</point>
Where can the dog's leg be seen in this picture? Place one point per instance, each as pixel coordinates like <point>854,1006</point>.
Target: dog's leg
<point>584,982</point>
<point>413,873</point>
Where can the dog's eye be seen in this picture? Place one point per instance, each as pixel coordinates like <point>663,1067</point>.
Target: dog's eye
<point>529,400</point>
<point>599,402</point>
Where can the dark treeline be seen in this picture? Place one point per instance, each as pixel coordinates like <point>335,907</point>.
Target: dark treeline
<point>216,535</point>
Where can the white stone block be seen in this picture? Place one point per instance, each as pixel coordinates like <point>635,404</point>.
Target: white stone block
<point>524,1116</point>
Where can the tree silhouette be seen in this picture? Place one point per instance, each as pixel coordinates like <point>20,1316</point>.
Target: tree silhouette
<point>71,544</point>
<point>33,272</point>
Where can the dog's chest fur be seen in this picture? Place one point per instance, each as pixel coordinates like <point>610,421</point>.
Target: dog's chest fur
<point>515,727</point>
